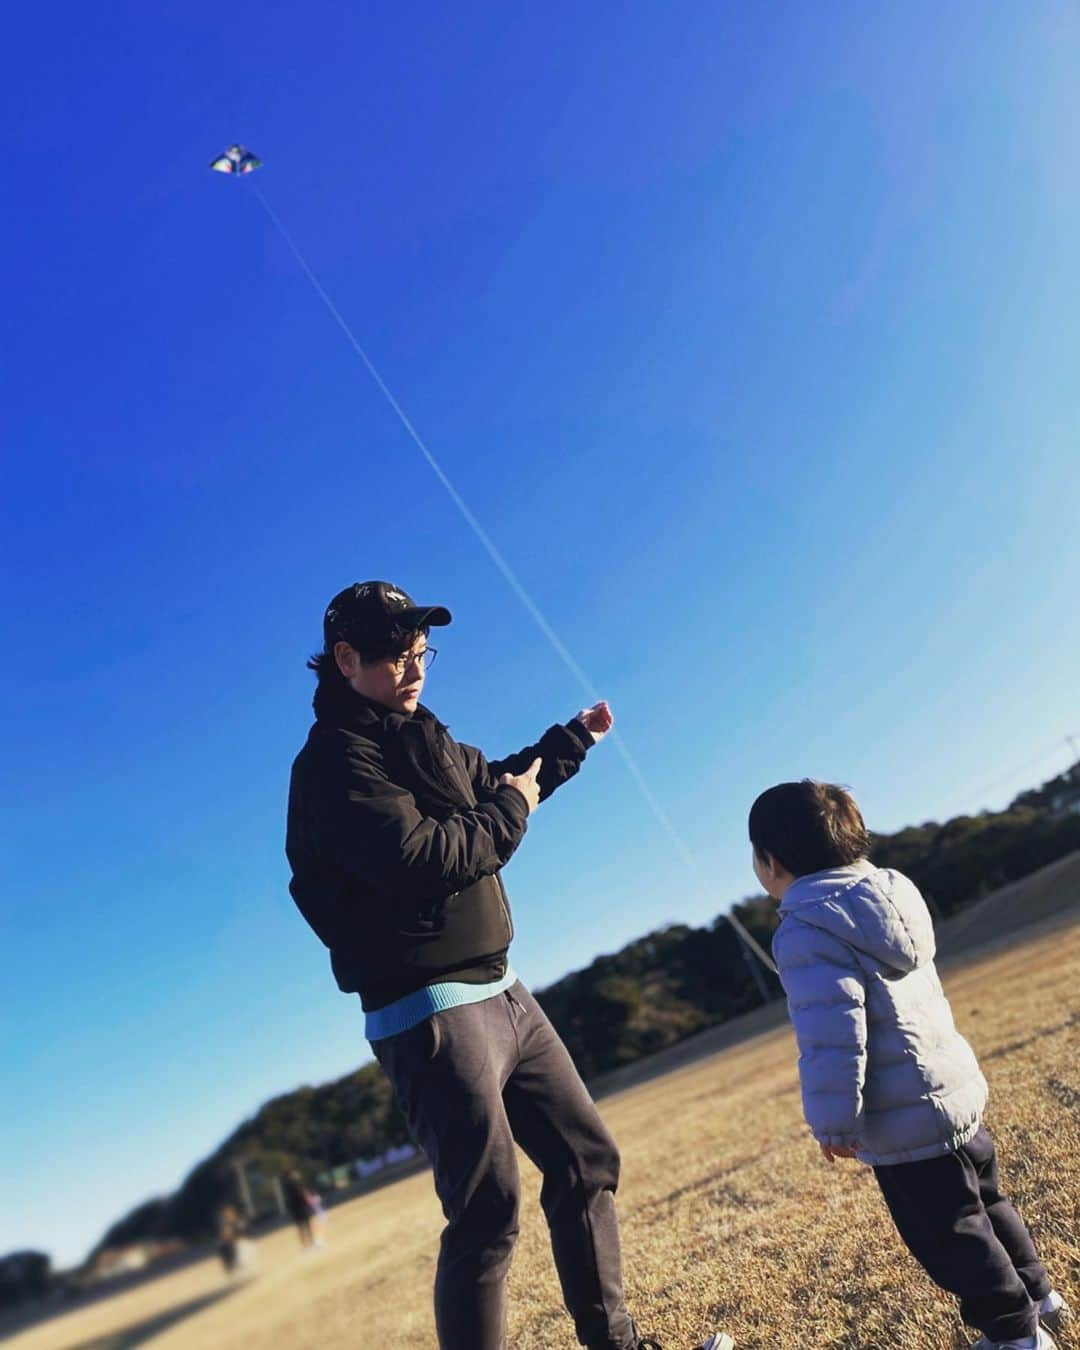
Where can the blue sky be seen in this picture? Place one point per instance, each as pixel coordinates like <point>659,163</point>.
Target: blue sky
<point>749,335</point>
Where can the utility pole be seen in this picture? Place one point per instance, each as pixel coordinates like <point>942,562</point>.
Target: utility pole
<point>755,971</point>
<point>243,1187</point>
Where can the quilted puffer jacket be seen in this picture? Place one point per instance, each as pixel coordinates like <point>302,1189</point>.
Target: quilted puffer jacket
<point>882,1067</point>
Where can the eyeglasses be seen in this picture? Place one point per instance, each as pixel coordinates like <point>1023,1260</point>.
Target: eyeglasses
<point>424,659</point>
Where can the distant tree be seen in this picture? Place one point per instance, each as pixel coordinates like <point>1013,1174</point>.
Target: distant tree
<point>149,1220</point>
<point>24,1275</point>
<point>652,993</point>
<point>1065,785</point>
<point>193,1209</point>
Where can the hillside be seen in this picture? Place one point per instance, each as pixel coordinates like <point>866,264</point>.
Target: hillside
<point>729,1216</point>
<point>653,994</point>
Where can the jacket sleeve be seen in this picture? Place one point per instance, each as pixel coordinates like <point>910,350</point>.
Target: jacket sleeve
<point>561,750</point>
<point>826,997</point>
<point>384,837</point>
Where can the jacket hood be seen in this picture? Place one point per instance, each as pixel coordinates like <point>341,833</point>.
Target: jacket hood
<point>873,909</point>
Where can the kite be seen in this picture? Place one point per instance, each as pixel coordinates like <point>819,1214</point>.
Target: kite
<point>237,159</point>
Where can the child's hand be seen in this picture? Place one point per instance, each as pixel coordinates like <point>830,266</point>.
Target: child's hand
<point>831,1153</point>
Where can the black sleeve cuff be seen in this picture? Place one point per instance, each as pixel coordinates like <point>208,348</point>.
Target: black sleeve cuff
<point>580,734</point>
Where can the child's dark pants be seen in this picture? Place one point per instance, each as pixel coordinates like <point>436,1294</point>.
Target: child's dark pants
<point>968,1238</point>
<point>471,1081</point>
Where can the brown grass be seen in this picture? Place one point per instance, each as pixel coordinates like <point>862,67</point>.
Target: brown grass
<point>729,1215</point>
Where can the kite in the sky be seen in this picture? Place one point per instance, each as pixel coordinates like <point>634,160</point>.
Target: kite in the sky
<point>237,159</point>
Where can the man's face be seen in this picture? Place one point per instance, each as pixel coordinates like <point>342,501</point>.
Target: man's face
<point>395,683</point>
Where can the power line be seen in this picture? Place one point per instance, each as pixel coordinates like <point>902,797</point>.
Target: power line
<point>1012,774</point>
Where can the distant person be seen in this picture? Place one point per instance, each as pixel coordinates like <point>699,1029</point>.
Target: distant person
<point>886,1077</point>
<point>300,1204</point>
<point>318,1218</point>
<point>396,836</point>
<point>230,1228</point>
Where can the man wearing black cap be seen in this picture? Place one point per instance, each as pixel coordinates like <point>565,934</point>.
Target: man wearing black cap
<point>396,836</point>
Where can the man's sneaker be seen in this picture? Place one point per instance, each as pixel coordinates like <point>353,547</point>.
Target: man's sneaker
<point>719,1340</point>
<point>1042,1340</point>
<point>1054,1313</point>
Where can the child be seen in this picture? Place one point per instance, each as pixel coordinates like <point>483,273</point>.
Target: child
<point>886,1077</point>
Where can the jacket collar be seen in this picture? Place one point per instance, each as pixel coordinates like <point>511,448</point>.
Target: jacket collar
<point>338,704</point>
<point>827,885</point>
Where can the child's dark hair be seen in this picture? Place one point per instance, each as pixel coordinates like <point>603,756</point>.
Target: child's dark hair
<point>388,646</point>
<point>808,827</point>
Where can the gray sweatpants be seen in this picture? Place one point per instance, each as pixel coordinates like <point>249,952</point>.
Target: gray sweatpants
<point>471,1081</point>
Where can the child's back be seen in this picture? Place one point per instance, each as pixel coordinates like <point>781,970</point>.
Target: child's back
<point>882,1066</point>
<point>885,1075</point>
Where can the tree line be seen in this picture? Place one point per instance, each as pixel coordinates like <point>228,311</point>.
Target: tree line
<point>647,996</point>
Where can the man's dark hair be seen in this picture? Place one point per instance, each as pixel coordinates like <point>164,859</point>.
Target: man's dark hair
<point>808,827</point>
<point>386,647</point>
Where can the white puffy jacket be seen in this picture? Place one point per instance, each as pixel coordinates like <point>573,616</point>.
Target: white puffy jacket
<point>882,1067</point>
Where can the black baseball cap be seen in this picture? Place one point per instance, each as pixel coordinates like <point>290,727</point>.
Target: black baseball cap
<point>372,609</point>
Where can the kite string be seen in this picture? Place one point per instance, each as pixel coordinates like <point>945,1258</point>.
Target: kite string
<point>508,574</point>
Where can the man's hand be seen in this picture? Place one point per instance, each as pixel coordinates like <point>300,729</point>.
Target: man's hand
<point>597,720</point>
<point>836,1151</point>
<point>526,783</point>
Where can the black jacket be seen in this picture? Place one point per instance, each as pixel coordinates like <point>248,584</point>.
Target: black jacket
<point>396,834</point>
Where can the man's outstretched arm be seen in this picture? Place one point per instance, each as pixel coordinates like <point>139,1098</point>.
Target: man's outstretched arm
<point>561,748</point>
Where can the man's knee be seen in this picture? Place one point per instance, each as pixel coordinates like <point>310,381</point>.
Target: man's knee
<point>484,1227</point>
<point>591,1163</point>
<point>601,1162</point>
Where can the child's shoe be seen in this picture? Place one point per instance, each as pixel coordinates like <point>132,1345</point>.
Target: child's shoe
<point>1054,1313</point>
<point>1042,1340</point>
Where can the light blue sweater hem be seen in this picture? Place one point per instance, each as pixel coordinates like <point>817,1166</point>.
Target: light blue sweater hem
<point>417,1007</point>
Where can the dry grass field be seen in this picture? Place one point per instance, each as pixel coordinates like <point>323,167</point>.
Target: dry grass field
<point>730,1216</point>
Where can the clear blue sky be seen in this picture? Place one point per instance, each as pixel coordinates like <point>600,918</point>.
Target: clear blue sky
<point>750,333</point>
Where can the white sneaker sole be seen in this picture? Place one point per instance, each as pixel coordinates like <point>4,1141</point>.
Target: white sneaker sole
<point>1061,1319</point>
<point>721,1341</point>
<point>1043,1341</point>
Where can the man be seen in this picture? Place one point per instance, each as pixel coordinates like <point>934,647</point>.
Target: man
<point>396,837</point>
